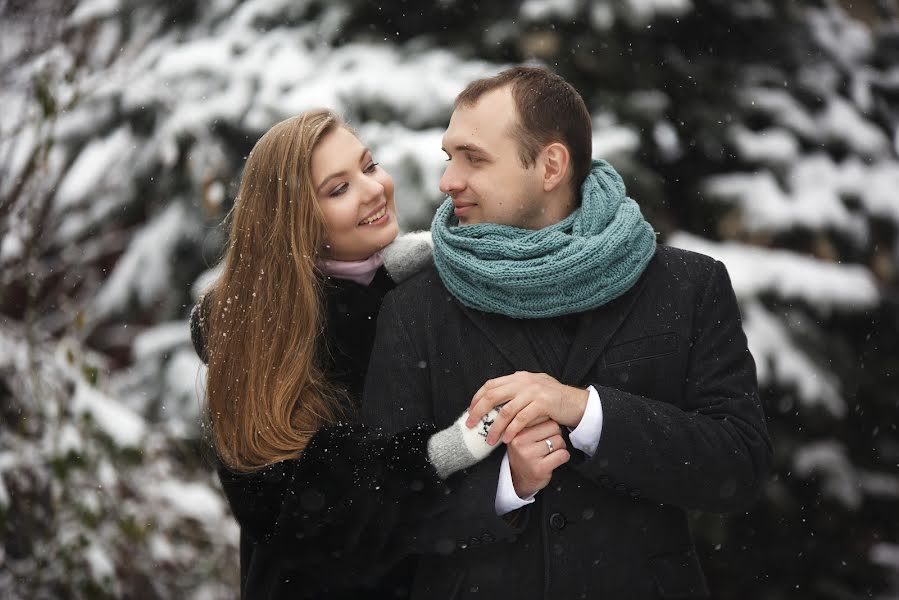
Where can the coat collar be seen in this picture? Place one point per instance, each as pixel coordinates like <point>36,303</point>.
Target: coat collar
<point>595,328</point>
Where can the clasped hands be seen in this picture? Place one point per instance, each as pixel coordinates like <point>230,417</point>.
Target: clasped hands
<point>533,407</point>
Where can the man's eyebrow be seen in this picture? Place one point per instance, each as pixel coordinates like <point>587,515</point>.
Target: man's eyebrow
<point>469,148</point>
<point>365,152</point>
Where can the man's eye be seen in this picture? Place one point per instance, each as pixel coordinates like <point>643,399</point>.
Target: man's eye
<point>474,159</point>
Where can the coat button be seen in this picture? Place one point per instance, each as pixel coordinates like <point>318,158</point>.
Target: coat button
<point>474,542</point>
<point>620,487</point>
<point>605,480</point>
<point>487,537</point>
<point>635,493</point>
<point>557,521</point>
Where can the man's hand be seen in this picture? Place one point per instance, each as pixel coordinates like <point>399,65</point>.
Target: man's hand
<point>527,399</point>
<point>530,459</point>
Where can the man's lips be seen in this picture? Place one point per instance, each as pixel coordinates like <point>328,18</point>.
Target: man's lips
<point>460,207</point>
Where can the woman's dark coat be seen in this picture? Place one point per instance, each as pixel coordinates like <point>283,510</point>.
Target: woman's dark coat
<point>321,526</point>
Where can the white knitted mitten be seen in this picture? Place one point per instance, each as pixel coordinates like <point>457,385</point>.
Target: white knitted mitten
<point>457,447</point>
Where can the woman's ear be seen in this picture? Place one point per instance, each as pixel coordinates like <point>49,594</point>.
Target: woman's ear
<point>556,161</point>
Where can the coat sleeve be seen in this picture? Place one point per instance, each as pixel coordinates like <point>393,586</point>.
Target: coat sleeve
<point>198,325</point>
<point>713,453</point>
<point>340,508</point>
<point>398,395</point>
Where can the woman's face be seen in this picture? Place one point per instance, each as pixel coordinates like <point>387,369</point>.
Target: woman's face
<point>355,195</point>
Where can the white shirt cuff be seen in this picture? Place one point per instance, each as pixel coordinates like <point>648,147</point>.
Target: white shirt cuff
<point>507,499</point>
<point>585,437</point>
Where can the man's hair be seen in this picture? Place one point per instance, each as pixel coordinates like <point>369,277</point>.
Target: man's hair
<point>549,110</point>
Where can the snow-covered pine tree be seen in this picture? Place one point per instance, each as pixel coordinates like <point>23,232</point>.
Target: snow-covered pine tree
<point>762,133</point>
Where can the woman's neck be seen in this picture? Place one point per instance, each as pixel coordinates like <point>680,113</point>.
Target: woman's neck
<point>359,271</point>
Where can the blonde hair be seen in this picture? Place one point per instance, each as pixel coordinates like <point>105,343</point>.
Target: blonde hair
<point>267,393</point>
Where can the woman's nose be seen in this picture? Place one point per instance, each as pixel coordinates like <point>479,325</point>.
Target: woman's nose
<point>374,189</point>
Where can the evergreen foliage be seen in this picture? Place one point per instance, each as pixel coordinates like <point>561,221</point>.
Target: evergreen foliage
<point>763,133</point>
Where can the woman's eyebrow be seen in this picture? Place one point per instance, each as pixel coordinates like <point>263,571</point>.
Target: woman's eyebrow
<point>365,152</point>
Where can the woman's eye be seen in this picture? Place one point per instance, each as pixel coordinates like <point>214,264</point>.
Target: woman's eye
<point>338,190</point>
<point>371,168</point>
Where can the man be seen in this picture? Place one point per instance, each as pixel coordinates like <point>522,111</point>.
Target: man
<point>586,330</point>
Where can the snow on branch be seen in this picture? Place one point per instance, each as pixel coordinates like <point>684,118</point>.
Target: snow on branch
<point>823,285</point>
<point>819,194</point>
<point>144,271</point>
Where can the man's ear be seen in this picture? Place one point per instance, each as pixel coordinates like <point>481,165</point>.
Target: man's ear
<point>556,161</point>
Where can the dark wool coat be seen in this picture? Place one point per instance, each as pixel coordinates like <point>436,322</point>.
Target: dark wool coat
<point>682,429</point>
<point>320,526</point>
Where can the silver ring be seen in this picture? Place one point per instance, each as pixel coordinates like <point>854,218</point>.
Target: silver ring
<point>549,445</point>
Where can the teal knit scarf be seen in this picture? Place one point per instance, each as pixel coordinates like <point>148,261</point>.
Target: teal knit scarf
<point>586,260</point>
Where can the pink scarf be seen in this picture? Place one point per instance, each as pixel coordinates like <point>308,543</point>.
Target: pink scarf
<point>360,271</point>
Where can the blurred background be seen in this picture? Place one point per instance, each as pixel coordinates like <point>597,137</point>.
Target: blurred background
<point>760,132</point>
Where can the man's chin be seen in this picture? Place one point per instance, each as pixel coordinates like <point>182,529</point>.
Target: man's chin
<point>468,220</point>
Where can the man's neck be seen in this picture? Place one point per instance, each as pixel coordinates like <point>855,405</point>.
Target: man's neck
<point>557,206</point>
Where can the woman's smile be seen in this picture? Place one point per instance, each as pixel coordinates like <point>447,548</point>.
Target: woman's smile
<point>378,217</point>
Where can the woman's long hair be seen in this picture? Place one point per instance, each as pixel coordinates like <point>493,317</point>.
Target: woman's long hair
<point>267,394</point>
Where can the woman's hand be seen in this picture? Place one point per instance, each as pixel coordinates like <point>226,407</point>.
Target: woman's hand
<point>526,399</point>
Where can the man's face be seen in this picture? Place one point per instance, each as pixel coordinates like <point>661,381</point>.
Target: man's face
<point>485,177</point>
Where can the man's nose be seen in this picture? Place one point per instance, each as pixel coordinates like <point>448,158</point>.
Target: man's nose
<point>451,182</point>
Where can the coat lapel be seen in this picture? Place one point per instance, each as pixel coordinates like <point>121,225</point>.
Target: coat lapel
<point>594,331</point>
<point>508,336</point>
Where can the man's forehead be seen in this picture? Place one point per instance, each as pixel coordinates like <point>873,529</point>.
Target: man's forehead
<point>485,122</point>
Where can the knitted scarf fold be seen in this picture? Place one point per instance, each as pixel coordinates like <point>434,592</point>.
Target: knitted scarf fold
<point>586,260</point>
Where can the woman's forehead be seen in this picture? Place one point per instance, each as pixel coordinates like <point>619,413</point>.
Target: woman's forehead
<point>339,149</point>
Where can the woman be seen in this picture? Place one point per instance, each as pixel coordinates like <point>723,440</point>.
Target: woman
<point>287,331</point>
